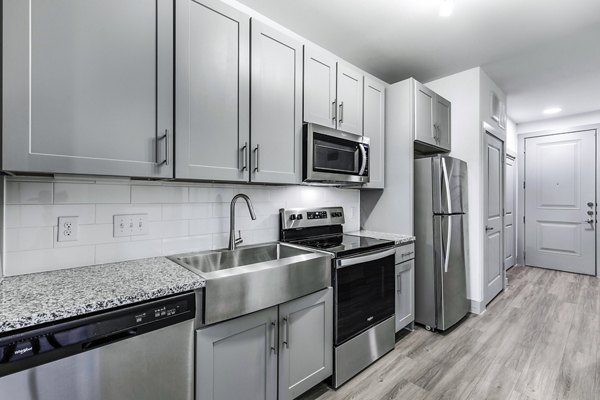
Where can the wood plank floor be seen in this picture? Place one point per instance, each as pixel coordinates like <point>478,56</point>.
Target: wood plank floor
<point>539,339</point>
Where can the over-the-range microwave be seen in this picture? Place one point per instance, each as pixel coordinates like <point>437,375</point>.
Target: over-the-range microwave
<point>330,156</point>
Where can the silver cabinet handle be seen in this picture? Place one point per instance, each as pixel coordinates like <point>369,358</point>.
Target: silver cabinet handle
<point>256,150</point>
<point>286,333</point>
<point>341,119</point>
<point>273,333</point>
<point>399,282</point>
<point>164,137</point>
<point>333,110</point>
<point>245,157</point>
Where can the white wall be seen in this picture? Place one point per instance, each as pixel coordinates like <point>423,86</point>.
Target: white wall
<point>183,217</point>
<point>570,121</point>
<point>511,136</point>
<point>462,90</point>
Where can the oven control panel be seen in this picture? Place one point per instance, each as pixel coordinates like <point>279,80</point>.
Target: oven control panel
<point>311,217</point>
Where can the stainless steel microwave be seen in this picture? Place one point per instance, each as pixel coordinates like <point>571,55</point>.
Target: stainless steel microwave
<point>334,157</point>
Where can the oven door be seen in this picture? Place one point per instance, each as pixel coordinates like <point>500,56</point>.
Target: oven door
<point>364,292</point>
<point>335,156</point>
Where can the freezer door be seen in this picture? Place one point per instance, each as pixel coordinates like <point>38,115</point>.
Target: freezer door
<point>449,186</point>
<point>450,235</point>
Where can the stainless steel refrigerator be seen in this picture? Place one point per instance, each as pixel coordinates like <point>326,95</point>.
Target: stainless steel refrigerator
<point>441,228</point>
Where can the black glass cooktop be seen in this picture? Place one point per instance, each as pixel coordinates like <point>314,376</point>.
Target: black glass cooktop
<point>344,245</point>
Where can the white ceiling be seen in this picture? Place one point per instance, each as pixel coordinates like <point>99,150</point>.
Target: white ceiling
<point>541,52</point>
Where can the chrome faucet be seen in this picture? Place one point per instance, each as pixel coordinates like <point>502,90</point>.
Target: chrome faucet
<point>233,241</point>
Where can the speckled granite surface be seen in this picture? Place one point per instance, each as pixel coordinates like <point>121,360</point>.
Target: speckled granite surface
<point>399,239</point>
<point>33,299</point>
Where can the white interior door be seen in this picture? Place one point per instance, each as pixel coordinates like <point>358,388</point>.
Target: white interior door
<point>560,202</point>
<point>509,214</point>
<point>494,199</point>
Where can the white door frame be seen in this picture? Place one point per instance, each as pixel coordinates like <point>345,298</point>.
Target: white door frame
<point>512,155</point>
<point>521,179</point>
<point>500,135</point>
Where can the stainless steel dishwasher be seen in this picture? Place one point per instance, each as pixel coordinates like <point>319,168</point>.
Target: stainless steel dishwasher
<point>143,351</point>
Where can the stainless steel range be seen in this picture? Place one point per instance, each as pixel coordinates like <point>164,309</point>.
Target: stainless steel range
<point>363,274</point>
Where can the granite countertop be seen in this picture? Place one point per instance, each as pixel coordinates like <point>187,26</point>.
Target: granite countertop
<point>29,300</point>
<point>398,238</point>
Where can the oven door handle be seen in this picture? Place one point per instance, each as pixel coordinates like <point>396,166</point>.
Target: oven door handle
<point>378,255</point>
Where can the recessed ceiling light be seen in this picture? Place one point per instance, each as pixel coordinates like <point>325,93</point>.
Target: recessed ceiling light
<point>446,8</point>
<point>552,110</point>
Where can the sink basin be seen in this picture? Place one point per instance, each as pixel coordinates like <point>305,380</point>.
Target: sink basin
<point>204,263</point>
<point>253,278</point>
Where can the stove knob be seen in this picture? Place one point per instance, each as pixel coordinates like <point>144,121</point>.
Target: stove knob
<point>293,217</point>
<point>299,216</point>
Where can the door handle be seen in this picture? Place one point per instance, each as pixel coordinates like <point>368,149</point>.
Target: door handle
<point>245,157</point>
<point>590,204</point>
<point>164,137</point>
<point>489,228</point>
<point>589,220</point>
<point>333,110</point>
<point>256,150</point>
<point>341,119</point>
<point>286,333</point>
<point>273,344</point>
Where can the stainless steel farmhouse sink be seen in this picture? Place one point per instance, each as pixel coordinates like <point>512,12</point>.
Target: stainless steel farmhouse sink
<point>252,278</point>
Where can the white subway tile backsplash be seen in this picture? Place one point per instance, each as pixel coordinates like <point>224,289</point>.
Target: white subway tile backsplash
<point>20,239</point>
<point>72,193</point>
<point>187,244</point>
<point>105,212</point>
<point>27,262</point>
<point>158,194</point>
<point>182,217</point>
<point>18,216</point>
<point>28,192</point>
<point>115,252</point>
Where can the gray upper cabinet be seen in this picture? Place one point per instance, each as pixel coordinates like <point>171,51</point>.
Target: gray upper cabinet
<point>320,87</point>
<point>424,114</point>
<point>212,91</point>
<point>87,87</point>
<point>333,92</point>
<point>306,343</point>
<point>432,120</point>
<point>276,106</point>
<point>237,359</point>
<point>442,122</point>
<point>374,128</point>
<point>350,99</point>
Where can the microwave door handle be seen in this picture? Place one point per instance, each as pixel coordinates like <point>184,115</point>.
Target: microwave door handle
<point>378,255</point>
<point>363,153</point>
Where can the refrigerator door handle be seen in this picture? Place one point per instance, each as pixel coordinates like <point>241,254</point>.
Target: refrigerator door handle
<point>448,244</point>
<point>447,185</point>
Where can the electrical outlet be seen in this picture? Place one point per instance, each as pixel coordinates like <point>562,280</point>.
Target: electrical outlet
<point>130,225</point>
<point>68,229</point>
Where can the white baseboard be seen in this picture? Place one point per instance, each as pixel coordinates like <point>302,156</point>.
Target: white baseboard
<point>477,307</point>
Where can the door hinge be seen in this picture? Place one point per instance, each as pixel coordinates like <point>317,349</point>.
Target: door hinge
<point>523,219</point>
<point>523,184</point>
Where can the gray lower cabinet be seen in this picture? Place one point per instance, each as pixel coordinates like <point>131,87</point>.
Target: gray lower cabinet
<point>276,106</point>
<point>405,287</point>
<point>277,353</point>
<point>87,87</point>
<point>306,343</point>
<point>237,359</point>
<point>374,129</point>
<point>212,91</point>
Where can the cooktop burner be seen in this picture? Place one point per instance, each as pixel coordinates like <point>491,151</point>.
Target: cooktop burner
<point>344,245</point>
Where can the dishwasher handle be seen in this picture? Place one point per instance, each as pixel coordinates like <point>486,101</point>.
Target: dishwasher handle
<point>112,338</point>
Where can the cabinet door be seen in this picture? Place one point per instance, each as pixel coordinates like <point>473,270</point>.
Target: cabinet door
<point>306,343</point>
<point>87,87</point>
<point>405,296</point>
<point>276,109</point>
<point>350,99</point>
<point>374,129</point>
<point>212,86</point>
<point>425,115</point>
<point>442,122</point>
<point>237,359</point>
<point>319,87</point>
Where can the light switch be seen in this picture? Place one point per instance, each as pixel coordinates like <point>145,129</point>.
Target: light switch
<point>130,225</point>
